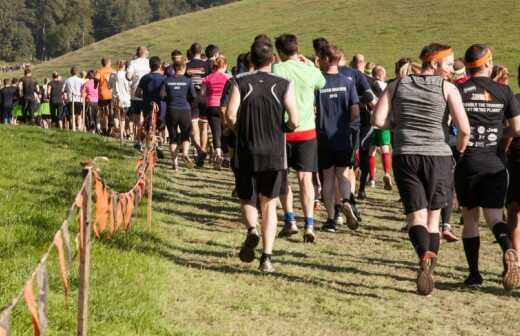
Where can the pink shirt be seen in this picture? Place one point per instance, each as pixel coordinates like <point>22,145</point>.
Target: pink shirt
<point>215,87</point>
<point>91,91</point>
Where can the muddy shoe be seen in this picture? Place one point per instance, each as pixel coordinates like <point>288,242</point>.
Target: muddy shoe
<point>288,230</point>
<point>188,162</point>
<point>388,182</point>
<point>266,266</point>
<point>329,226</point>
<point>511,278</point>
<point>309,236</point>
<point>425,275</point>
<point>352,219</point>
<point>247,252</point>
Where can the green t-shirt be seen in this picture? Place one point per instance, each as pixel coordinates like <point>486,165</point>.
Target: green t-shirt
<point>306,79</point>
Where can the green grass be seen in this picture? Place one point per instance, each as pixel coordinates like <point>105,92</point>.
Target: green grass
<point>184,278</point>
<point>383,30</point>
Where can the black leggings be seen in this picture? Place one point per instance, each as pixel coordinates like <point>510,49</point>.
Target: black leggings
<point>176,119</point>
<point>213,114</point>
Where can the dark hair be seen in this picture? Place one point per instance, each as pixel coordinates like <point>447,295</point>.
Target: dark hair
<point>261,54</point>
<point>91,74</point>
<point>262,37</point>
<point>27,71</point>
<point>175,53</point>
<point>211,50</point>
<point>355,60</point>
<point>318,44</point>
<point>55,75</point>
<point>14,80</point>
<point>287,44</point>
<point>6,81</point>
<point>195,49</point>
<point>179,63</point>
<point>429,50</point>
<point>473,53</point>
<point>105,61</point>
<point>74,70</point>
<point>459,64</point>
<point>330,55</point>
<point>140,51</point>
<point>155,63</point>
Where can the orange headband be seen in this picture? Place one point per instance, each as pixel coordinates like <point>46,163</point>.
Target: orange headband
<point>439,55</point>
<point>481,61</point>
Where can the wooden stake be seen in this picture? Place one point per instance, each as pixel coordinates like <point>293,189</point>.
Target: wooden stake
<point>73,116</point>
<point>84,259</point>
<point>84,125</point>
<point>150,193</point>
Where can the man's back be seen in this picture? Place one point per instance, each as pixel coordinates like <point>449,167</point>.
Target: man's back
<point>28,87</point>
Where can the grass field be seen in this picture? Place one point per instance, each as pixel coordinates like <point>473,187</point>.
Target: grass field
<point>184,277</point>
<point>383,30</point>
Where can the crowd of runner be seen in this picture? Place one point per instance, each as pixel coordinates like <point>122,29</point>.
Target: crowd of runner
<point>444,126</point>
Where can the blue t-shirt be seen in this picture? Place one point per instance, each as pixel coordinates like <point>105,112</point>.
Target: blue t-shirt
<point>151,85</point>
<point>360,82</point>
<point>179,92</point>
<point>333,121</point>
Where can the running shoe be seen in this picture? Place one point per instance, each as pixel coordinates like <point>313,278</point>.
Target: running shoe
<point>200,159</point>
<point>247,251</point>
<point>218,162</point>
<point>474,281</point>
<point>160,153</point>
<point>317,205</point>
<point>372,183</point>
<point>266,266</point>
<point>447,234</point>
<point>309,236</point>
<point>288,229</point>
<point>338,218</point>
<point>362,195</point>
<point>188,161</point>
<point>355,209</point>
<point>329,226</point>
<point>348,211</point>
<point>425,275</point>
<point>388,182</point>
<point>511,278</point>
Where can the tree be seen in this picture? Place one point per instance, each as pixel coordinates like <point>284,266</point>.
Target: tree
<point>162,9</point>
<point>16,41</point>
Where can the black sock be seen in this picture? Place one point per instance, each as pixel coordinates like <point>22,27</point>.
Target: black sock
<point>351,198</point>
<point>435,241</point>
<point>471,249</point>
<point>420,239</point>
<point>264,257</point>
<point>337,210</point>
<point>502,234</point>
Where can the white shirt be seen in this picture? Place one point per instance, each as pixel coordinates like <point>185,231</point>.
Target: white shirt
<point>136,70</point>
<point>122,89</point>
<point>72,88</point>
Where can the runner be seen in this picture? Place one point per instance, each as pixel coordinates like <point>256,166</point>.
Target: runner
<point>150,87</point>
<point>169,71</point>
<point>459,74</point>
<point>212,88</point>
<point>423,162</point>
<point>27,93</point>
<point>197,69</point>
<point>104,77</point>
<point>513,210</point>
<point>91,94</point>
<point>122,97</point>
<point>338,111</point>
<point>8,97</point>
<point>487,104</point>
<point>256,110</point>
<point>358,62</point>
<point>56,99</point>
<point>72,89</point>
<point>301,144</point>
<point>179,93</point>
<point>137,68</point>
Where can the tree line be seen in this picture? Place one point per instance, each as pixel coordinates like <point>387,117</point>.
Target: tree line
<point>43,29</point>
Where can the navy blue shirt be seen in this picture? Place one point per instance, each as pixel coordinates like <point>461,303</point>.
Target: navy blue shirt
<point>179,92</point>
<point>333,121</point>
<point>151,85</point>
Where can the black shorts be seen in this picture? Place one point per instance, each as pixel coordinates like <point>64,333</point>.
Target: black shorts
<point>105,102</point>
<point>78,108</point>
<point>485,191</point>
<point>178,119</point>
<point>424,182</point>
<point>270,184</point>
<point>198,106</point>
<point>136,107</point>
<point>514,181</point>
<point>327,158</point>
<point>302,156</point>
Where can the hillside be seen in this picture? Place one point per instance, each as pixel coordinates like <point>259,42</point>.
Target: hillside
<point>383,30</point>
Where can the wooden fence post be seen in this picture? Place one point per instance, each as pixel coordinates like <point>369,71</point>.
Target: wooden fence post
<point>84,258</point>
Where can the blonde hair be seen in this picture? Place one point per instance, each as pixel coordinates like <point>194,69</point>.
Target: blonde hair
<point>500,74</point>
<point>220,62</point>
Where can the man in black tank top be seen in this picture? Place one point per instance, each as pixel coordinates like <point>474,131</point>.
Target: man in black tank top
<point>417,107</point>
<point>481,176</point>
<point>256,111</point>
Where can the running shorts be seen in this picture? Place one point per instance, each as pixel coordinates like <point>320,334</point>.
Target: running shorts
<point>381,137</point>
<point>105,102</point>
<point>136,107</point>
<point>302,156</point>
<point>198,107</point>
<point>327,158</point>
<point>485,190</point>
<point>178,120</point>
<point>514,181</point>
<point>424,182</point>
<point>270,184</point>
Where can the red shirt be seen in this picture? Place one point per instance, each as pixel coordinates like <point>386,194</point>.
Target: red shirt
<point>215,87</point>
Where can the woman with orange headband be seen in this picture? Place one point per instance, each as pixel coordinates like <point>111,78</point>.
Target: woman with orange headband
<point>417,107</point>
<point>481,177</point>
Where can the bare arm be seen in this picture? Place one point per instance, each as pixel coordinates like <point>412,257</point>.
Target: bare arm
<point>513,130</point>
<point>289,103</point>
<point>380,117</point>
<point>458,115</point>
<point>232,109</point>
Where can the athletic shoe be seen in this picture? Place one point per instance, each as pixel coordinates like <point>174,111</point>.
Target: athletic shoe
<point>448,235</point>
<point>511,278</point>
<point>309,236</point>
<point>362,195</point>
<point>247,251</point>
<point>329,226</point>
<point>474,281</point>
<point>288,230</point>
<point>160,153</point>
<point>266,266</point>
<point>356,211</point>
<point>348,211</point>
<point>218,162</point>
<point>425,275</point>
<point>388,182</point>
<point>188,162</point>
<point>372,183</point>
<point>338,218</point>
<point>200,159</point>
<point>317,205</point>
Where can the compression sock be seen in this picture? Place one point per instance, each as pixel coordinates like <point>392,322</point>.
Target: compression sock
<point>420,239</point>
<point>502,234</point>
<point>372,168</point>
<point>435,239</point>
<point>289,217</point>
<point>471,249</point>
<point>387,162</point>
<point>308,221</point>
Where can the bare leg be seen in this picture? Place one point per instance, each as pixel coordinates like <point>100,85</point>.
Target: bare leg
<point>329,191</point>
<point>269,221</point>
<point>306,193</point>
